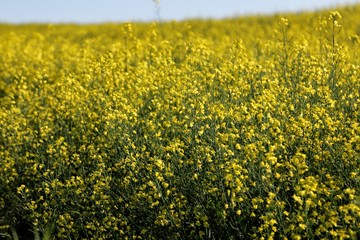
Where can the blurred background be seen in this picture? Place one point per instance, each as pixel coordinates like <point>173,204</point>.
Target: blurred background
<point>98,11</point>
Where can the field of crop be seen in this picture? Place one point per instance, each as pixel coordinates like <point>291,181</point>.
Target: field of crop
<point>243,128</point>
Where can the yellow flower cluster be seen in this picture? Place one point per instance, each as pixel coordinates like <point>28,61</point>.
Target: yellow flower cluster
<point>242,128</point>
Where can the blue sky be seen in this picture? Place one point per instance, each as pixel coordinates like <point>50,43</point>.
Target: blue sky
<point>95,11</point>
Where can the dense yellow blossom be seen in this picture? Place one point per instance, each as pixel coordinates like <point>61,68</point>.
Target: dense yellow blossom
<point>243,128</point>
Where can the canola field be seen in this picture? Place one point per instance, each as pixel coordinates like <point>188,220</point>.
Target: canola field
<point>243,128</point>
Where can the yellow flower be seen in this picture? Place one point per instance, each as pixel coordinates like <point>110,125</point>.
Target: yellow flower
<point>298,199</point>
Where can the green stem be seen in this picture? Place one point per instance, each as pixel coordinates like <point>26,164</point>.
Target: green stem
<point>36,234</point>
<point>14,233</point>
